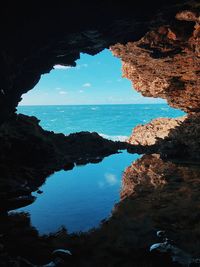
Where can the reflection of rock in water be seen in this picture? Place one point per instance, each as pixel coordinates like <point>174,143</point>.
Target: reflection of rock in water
<point>167,195</point>
<point>156,195</point>
<point>144,174</point>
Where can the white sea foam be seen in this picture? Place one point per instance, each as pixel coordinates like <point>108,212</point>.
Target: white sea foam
<point>121,138</point>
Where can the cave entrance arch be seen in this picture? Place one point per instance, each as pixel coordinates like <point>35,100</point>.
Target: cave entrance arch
<point>94,87</point>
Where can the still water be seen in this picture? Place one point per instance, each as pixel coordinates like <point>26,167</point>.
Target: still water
<point>81,198</point>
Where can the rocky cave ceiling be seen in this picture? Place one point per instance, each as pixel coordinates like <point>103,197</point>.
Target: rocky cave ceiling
<point>161,56</point>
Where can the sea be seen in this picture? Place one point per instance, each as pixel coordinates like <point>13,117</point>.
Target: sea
<point>80,199</point>
<point>111,121</point>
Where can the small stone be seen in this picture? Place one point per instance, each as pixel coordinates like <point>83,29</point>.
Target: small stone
<point>68,166</point>
<point>160,233</point>
<point>61,253</point>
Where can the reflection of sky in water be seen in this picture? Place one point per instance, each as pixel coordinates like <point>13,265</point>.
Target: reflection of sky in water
<point>81,198</point>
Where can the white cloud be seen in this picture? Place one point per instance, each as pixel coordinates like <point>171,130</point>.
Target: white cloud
<point>86,85</point>
<point>62,92</point>
<point>81,91</point>
<point>111,178</point>
<point>79,66</point>
<point>61,67</point>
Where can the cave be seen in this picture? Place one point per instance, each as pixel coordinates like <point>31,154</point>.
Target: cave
<point>159,46</point>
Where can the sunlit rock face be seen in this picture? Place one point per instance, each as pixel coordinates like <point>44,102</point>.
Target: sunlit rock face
<point>149,133</point>
<point>166,61</point>
<point>176,138</point>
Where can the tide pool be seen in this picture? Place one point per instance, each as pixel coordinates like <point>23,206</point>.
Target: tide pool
<point>81,198</point>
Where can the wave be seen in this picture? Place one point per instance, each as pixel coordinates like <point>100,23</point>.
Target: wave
<point>121,138</point>
<point>94,108</point>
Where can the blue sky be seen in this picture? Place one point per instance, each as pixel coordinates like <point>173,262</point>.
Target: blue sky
<point>95,80</point>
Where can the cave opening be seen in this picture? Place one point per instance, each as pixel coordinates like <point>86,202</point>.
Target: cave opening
<point>89,97</point>
<point>156,208</point>
<point>94,97</point>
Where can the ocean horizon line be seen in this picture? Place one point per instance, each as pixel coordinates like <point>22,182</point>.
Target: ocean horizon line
<point>64,105</point>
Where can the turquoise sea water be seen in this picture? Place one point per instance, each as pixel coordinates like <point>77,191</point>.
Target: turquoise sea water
<point>113,121</point>
<point>80,198</point>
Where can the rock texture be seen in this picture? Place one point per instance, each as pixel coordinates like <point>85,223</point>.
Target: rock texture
<point>149,134</point>
<point>175,138</point>
<point>148,173</point>
<point>166,61</point>
<point>164,194</point>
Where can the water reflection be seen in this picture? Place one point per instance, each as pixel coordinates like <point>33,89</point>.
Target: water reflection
<point>81,198</point>
<point>155,195</point>
<point>163,195</point>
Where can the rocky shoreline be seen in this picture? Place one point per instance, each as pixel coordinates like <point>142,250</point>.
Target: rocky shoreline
<point>173,138</point>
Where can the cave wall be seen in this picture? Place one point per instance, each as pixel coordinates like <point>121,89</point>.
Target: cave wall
<point>37,35</point>
<point>166,61</point>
